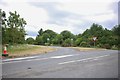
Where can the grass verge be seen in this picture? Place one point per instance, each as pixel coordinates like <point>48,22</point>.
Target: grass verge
<point>27,50</point>
<point>87,49</point>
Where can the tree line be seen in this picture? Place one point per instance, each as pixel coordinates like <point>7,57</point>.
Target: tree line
<point>104,38</point>
<point>13,32</point>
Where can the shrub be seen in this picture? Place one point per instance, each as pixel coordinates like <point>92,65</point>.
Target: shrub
<point>107,46</point>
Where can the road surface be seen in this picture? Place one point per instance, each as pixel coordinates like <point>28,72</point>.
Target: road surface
<point>64,63</point>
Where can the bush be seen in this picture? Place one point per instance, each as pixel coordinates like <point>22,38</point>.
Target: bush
<point>83,44</point>
<point>47,44</point>
<point>30,40</point>
<point>107,46</point>
<point>66,43</point>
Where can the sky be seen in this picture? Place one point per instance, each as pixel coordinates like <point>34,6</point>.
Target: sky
<point>59,15</point>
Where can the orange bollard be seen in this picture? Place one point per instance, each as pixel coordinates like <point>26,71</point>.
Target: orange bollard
<point>5,54</point>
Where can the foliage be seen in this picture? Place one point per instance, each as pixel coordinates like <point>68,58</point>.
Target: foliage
<point>45,37</point>
<point>13,28</point>
<point>39,40</point>
<point>66,34</point>
<point>67,43</point>
<point>116,31</point>
<point>105,38</point>
<point>13,32</point>
<point>30,40</point>
<point>78,41</point>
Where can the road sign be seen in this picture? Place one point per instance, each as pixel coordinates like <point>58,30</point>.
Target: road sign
<point>94,38</point>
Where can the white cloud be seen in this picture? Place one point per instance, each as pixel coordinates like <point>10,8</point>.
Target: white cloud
<point>85,8</point>
<point>92,11</point>
<point>30,13</point>
<point>33,15</point>
<point>37,17</point>
<point>34,37</point>
<point>72,21</point>
<point>101,18</point>
<point>54,27</point>
<point>80,8</point>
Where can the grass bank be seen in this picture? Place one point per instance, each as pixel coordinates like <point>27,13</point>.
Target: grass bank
<point>27,50</point>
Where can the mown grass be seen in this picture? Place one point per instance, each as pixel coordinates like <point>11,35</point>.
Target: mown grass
<point>27,50</point>
<point>17,48</point>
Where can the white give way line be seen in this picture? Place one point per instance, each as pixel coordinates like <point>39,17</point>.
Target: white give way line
<point>93,58</point>
<point>33,58</point>
<point>16,60</point>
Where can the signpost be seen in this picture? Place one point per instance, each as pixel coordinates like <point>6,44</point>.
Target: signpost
<point>94,39</point>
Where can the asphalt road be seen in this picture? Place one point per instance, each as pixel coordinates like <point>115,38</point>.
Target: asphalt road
<point>64,63</point>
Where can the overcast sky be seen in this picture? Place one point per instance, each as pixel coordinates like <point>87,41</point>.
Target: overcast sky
<point>73,15</point>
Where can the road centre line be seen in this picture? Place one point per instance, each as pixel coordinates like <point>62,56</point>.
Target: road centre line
<point>93,58</point>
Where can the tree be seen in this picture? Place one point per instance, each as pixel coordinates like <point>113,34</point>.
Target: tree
<point>66,34</point>
<point>3,24</point>
<point>40,32</point>
<point>39,40</point>
<point>96,30</point>
<point>51,33</point>
<point>45,35</point>
<point>13,28</point>
<point>30,40</point>
<point>58,39</point>
<point>67,43</point>
<point>16,25</point>
<point>78,41</point>
<point>105,38</point>
<point>116,31</point>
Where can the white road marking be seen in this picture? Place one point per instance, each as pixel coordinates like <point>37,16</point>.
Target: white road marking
<point>63,56</point>
<point>38,59</point>
<point>11,62</point>
<point>93,58</point>
<point>53,57</point>
<point>20,58</point>
<point>25,60</point>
